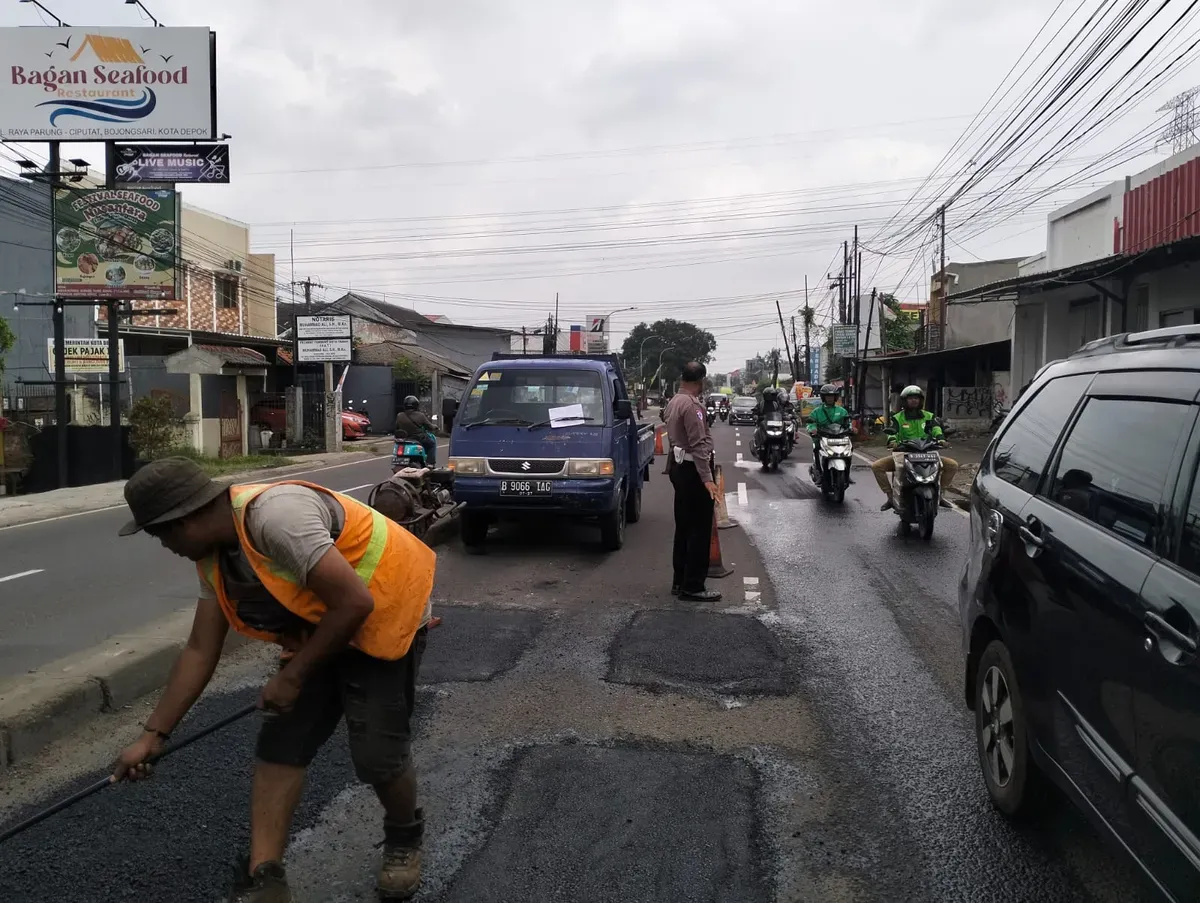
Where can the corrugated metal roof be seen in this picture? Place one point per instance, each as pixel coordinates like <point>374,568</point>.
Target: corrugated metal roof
<point>236,357</point>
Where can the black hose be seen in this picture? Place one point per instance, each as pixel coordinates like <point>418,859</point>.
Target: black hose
<point>108,782</point>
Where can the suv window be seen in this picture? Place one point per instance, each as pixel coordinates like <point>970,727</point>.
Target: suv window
<point>1189,549</point>
<point>1023,450</point>
<point>1115,463</point>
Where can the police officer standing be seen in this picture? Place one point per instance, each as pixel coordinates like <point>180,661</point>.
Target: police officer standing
<point>690,464</point>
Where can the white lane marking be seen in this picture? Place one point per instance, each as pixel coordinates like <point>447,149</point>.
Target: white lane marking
<point>870,461</point>
<point>286,476</point>
<point>738,443</point>
<point>753,596</point>
<point>355,488</point>
<point>743,495</point>
<point>22,574</point>
<point>750,581</point>
<point>739,458</point>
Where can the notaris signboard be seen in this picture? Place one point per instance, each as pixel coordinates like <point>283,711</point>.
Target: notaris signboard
<point>116,243</point>
<point>172,163</point>
<point>100,83</point>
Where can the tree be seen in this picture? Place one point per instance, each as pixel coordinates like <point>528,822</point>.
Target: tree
<point>7,340</point>
<point>405,369</point>
<point>691,343</point>
<point>899,329</point>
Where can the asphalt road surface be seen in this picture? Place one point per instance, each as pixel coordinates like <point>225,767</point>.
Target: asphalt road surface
<point>584,736</point>
<point>73,583</point>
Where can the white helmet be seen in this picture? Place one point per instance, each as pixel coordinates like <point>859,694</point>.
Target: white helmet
<point>911,391</point>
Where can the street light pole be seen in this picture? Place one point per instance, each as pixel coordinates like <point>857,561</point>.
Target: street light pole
<point>660,357</point>
<point>642,363</point>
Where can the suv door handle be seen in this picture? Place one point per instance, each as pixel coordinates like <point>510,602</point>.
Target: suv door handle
<point>1030,537</point>
<point>1159,626</point>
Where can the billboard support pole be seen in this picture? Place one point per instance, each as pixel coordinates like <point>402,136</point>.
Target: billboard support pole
<point>114,341</point>
<point>62,409</point>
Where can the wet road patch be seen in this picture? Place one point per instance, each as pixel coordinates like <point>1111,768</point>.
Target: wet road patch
<point>477,644</point>
<point>624,824</point>
<point>720,653</point>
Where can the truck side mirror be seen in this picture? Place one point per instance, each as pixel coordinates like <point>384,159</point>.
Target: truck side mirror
<point>623,409</point>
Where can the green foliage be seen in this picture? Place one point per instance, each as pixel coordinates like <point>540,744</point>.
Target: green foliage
<point>405,369</point>
<point>215,467</point>
<point>899,330</point>
<point>7,339</point>
<point>156,430</point>
<point>691,344</point>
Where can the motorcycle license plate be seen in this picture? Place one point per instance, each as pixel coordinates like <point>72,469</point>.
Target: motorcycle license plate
<point>921,458</point>
<point>525,488</point>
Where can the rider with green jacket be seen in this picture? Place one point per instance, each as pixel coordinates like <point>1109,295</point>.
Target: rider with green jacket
<point>827,413</point>
<point>912,421</point>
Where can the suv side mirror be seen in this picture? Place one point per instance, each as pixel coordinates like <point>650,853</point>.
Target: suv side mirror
<point>623,409</point>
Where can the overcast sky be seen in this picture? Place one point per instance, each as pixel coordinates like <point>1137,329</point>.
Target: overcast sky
<point>431,151</point>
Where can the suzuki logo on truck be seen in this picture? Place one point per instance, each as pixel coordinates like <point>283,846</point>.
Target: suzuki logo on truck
<point>526,466</point>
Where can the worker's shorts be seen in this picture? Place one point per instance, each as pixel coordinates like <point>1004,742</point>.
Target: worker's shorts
<point>376,696</point>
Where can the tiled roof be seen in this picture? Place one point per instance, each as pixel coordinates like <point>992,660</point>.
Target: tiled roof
<point>237,357</point>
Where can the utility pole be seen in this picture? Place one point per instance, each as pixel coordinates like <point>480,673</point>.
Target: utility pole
<point>554,348</point>
<point>942,276</point>
<point>807,345</point>
<point>796,355</point>
<point>842,282</point>
<point>782,329</point>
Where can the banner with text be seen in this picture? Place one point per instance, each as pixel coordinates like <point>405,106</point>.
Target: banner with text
<point>99,83</point>
<point>203,163</point>
<point>116,243</point>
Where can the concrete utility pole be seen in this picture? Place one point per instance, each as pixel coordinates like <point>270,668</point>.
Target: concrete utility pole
<point>942,293</point>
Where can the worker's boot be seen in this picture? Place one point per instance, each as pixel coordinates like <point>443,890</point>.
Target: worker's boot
<point>400,871</point>
<point>268,884</point>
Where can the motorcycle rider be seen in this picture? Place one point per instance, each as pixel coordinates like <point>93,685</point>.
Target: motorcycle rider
<point>828,413</point>
<point>770,405</point>
<point>912,421</point>
<point>413,425</point>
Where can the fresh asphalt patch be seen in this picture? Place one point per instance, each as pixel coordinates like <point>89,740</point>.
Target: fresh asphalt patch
<point>478,644</point>
<point>570,815</point>
<point>182,829</point>
<point>731,655</point>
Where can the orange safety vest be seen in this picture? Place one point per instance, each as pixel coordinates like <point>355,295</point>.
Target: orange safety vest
<point>397,568</point>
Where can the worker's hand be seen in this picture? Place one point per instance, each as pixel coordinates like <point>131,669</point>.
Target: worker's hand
<point>132,764</point>
<point>713,491</point>
<point>280,693</point>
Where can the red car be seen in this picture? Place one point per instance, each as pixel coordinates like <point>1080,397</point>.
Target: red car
<point>266,416</point>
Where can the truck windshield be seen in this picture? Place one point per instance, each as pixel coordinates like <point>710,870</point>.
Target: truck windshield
<point>532,396</point>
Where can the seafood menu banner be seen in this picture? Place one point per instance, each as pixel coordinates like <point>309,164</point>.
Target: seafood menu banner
<point>116,243</point>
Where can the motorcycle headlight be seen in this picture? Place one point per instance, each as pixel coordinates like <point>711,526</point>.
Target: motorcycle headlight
<point>924,477</point>
<point>590,467</point>
<point>466,465</point>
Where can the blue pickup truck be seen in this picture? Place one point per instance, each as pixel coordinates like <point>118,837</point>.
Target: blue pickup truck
<point>554,434</point>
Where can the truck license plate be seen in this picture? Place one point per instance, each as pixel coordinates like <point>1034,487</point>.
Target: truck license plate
<point>525,488</point>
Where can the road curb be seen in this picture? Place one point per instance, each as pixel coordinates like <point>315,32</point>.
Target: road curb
<point>37,709</point>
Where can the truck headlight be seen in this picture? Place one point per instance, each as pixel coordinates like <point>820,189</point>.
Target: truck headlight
<point>590,467</point>
<point>466,465</point>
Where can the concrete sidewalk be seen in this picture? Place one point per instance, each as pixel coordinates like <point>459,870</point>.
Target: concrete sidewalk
<point>24,509</point>
<point>967,451</point>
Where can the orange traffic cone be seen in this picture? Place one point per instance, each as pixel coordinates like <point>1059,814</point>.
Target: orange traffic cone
<point>658,441</point>
<point>724,521</point>
<point>716,567</point>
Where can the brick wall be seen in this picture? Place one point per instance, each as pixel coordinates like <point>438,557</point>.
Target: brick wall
<point>197,308</point>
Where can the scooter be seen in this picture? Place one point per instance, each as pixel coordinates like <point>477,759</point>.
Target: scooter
<point>712,415</point>
<point>723,412</point>
<point>917,485</point>
<point>834,451</point>
<point>770,452</point>
<point>789,434</point>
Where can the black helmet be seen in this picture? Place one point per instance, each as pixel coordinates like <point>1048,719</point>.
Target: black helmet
<point>411,403</point>
<point>829,389</point>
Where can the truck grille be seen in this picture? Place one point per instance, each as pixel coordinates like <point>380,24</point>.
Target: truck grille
<point>540,466</point>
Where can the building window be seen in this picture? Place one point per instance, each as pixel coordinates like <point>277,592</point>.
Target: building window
<point>227,294</point>
<point>1188,317</point>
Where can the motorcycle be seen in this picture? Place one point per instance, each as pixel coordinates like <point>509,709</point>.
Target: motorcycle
<point>789,430</point>
<point>916,485</point>
<point>831,462</point>
<point>770,448</point>
<point>711,414</point>
<point>723,412</point>
<point>416,496</point>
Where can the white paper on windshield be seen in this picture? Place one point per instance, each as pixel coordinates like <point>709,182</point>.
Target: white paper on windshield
<point>567,415</point>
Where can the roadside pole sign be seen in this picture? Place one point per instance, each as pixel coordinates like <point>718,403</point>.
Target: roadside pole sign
<point>85,355</point>
<point>324,339</point>
<point>845,340</point>
<point>597,335</point>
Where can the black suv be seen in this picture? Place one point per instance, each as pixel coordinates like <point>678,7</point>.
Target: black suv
<point>1080,601</point>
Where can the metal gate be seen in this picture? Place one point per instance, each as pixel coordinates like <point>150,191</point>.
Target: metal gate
<point>231,425</point>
